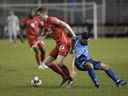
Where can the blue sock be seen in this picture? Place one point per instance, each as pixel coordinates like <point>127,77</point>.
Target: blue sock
<point>111,74</point>
<point>92,74</point>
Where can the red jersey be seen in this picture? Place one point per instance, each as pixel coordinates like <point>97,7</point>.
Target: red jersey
<point>32,27</point>
<point>55,31</point>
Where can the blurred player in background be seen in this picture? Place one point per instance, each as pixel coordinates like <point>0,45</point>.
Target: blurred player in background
<point>32,25</point>
<point>12,26</point>
<point>55,28</point>
<point>84,62</point>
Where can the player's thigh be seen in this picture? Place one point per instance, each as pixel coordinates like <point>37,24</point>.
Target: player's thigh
<point>88,66</point>
<point>79,64</point>
<point>48,59</point>
<point>60,59</point>
<point>96,64</point>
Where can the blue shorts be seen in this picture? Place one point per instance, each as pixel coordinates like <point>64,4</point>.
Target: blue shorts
<point>82,61</point>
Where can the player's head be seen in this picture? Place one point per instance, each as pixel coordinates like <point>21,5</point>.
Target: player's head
<point>43,12</point>
<point>11,12</point>
<point>84,35</point>
<point>84,38</point>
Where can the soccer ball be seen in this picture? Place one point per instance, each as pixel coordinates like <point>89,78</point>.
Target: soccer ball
<point>36,82</point>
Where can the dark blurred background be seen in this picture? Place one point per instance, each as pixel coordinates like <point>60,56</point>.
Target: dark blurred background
<point>112,15</point>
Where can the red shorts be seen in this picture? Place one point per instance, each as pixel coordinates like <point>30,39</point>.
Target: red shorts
<point>62,49</point>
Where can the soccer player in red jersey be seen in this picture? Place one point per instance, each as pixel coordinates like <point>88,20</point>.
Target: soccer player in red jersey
<point>55,28</point>
<point>32,25</point>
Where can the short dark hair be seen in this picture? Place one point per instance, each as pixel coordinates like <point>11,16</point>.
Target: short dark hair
<point>84,35</point>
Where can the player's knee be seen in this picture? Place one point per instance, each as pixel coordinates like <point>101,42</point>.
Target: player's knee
<point>104,67</point>
<point>88,66</point>
<point>60,64</point>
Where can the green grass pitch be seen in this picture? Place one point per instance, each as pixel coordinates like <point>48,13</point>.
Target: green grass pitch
<point>18,66</point>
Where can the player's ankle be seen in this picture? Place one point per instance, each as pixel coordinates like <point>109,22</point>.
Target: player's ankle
<point>117,81</point>
<point>43,66</point>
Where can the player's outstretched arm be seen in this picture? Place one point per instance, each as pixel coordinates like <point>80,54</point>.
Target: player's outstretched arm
<point>65,25</point>
<point>73,69</point>
<point>68,28</point>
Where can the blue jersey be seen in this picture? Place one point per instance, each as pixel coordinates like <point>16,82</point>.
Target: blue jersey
<point>80,49</point>
<point>82,56</point>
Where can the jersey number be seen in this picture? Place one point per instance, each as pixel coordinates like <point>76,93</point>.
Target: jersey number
<point>33,25</point>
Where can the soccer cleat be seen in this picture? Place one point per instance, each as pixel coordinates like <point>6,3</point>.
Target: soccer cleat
<point>43,66</point>
<point>70,83</point>
<point>121,83</point>
<point>63,82</point>
<point>97,84</point>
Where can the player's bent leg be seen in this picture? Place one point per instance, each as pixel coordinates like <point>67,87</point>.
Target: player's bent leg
<point>109,72</point>
<point>112,75</point>
<point>69,77</point>
<point>65,70</point>
<point>55,67</point>
<point>92,74</point>
<point>101,66</point>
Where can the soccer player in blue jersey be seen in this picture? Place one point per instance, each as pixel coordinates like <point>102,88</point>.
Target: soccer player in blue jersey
<point>84,62</point>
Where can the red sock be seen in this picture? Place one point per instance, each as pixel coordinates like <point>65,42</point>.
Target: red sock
<point>66,71</point>
<point>56,68</point>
